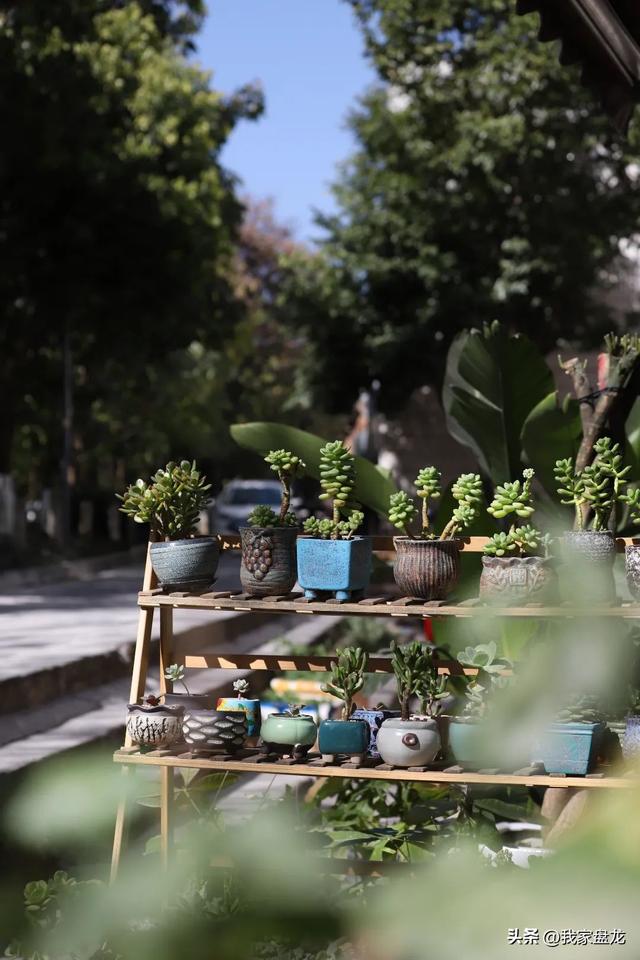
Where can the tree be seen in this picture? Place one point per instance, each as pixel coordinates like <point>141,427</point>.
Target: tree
<point>485,185</point>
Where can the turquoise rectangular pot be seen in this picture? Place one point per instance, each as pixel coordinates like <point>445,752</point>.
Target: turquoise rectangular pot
<point>341,567</point>
<point>349,737</point>
<point>569,747</point>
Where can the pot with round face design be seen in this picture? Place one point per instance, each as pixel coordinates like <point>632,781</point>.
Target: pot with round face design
<point>288,734</point>
<point>427,567</point>
<point>345,737</point>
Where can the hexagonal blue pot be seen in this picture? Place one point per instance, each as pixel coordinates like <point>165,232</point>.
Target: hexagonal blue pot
<point>341,567</point>
<point>569,747</point>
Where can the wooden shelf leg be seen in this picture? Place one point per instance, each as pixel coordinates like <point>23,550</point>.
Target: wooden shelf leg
<point>166,815</point>
<point>118,833</point>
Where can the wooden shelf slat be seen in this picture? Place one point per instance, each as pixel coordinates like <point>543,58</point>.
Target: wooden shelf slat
<point>302,663</point>
<point>312,768</point>
<point>384,544</point>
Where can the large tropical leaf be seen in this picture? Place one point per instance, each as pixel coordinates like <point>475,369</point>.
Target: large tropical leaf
<point>552,431</point>
<point>372,488</point>
<point>492,382</point>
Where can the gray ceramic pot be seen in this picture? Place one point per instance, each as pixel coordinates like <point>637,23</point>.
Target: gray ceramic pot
<point>587,573</point>
<point>517,579</point>
<point>426,569</point>
<point>158,726</point>
<point>632,568</point>
<point>268,560</point>
<point>631,739</point>
<point>186,564</point>
<point>409,743</point>
<point>211,731</point>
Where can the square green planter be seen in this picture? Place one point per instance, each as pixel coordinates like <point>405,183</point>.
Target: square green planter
<point>570,748</point>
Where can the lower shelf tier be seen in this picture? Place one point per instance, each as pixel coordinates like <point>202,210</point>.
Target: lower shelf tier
<point>252,761</point>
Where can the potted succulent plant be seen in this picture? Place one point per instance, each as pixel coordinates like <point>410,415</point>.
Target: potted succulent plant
<point>345,736</point>
<point>413,741</point>
<point>632,551</point>
<point>590,548</point>
<point>242,702</point>
<point>466,739</point>
<point>269,541</point>
<point>171,504</point>
<point>331,559</point>
<point>427,566</point>
<point>290,733</point>
<point>154,724</point>
<point>572,742</point>
<point>516,565</point>
<point>206,730</point>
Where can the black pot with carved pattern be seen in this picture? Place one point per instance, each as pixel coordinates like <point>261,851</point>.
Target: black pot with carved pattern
<point>268,565</point>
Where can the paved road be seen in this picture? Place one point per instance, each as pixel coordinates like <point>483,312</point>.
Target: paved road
<point>61,622</point>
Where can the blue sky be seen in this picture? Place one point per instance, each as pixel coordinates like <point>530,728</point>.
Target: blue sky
<point>308,55</point>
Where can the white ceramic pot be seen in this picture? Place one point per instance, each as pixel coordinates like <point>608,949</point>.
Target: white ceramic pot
<point>408,743</point>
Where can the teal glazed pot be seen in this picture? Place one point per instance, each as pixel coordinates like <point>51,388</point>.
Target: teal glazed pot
<point>340,567</point>
<point>268,566</point>
<point>346,737</point>
<point>570,748</point>
<point>375,718</point>
<point>250,707</point>
<point>188,564</point>
<point>465,742</point>
<point>289,736</point>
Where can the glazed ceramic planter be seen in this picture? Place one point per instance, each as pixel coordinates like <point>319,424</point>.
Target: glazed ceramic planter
<point>631,739</point>
<point>289,736</point>
<point>465,742</point>
<point>268,560</point>
<point>409,743</point>
<point>587,572</point>
<point>214,731</point>
<point>185,564</point>
<point>340,567</point>
<point>426,569</point>
<point>375,719</point>
<point>250,707</point>
<point>158,726</point>
<point>570,748</point>
<point>632,569</point>
<point>517,579</point>
<point>343,737</point>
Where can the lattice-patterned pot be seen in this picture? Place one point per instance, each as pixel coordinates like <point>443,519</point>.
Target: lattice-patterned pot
<point>426,569</point>
<point>268,560</point>
<point>209,731</point>
<point>632,568</point>
<point>158,726</point>
<point>517,579</point>
<point>587,572</point>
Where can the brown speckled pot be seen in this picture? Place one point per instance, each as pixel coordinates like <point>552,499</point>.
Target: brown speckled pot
<point>517,579</point>
<point>426,569</point>
<point>268,560</point>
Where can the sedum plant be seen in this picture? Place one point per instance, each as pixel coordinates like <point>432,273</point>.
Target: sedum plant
<point>513,499</point>
<point>287,466</point>
<point>598,488</point>
<point>466,491</point>
<point>337,479</point>
<point>410,664</point>
<point>171,503</point>
<point>347,677</point>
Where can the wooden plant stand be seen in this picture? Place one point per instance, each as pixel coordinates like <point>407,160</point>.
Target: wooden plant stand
<point>151,598</point>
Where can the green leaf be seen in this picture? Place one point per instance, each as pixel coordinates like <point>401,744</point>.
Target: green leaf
<point>372,487</point>
<point>507,811</point>
<point>492,382</point>
<point>552,431</point>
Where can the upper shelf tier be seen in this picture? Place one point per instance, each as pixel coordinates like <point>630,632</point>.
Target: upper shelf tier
<point>385,544</point>
<point>375,606</point>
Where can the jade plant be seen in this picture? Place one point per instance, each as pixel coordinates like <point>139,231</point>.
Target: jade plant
<point>466,491</point>
<point>513,499</point>
<point>171,503</point>
<point>337,479</point>
<point>490,677</point>
<point>287,466</point>
<point>432,687</point>
<point>347,677</point>
<point>596,489</point>
<point>411,665</point>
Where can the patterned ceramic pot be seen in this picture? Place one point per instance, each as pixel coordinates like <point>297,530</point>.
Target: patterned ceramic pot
<point>288,735</point>
<point>518,579</point>
<point>569,747</point>
<point>375,719</point>
<point>409,743</point>
<point>209,731</point>
<point>341,567</point>
<point>250,707</point>
<point>158,726</point>
<point>185,564</point>
<point>348,737</point>
<point>632,568</point>
<point>427,569</point>
<point>268,560</point>
<point>631,739</point>
<point>587,572</point>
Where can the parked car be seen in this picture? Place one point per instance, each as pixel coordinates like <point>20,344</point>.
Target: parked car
<point>229,511</point>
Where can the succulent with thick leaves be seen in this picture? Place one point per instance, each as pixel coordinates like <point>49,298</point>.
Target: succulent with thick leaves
<point>175,674</point>
<point>489,678</point>
<point>402,511</point>
<point>432,687</point>
<point>526,540</point>
<point>514,499</point>
<point>600,486</point>
<point>287,466</point>
<point>337,477</point>
<point>171,503</point>
<point>632,499</point>
<point>347,677</point>
<point>467,491</point>
<point>410,664</point>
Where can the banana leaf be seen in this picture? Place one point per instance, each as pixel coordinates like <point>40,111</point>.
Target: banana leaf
<point>552,431</point>
<point>372,487</point>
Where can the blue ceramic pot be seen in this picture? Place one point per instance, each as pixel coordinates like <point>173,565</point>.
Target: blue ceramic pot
<point>350,737</point>
<point>375,719</point>
<point>465,742</point>
<point>341,567</point>
<point>569,747</point>
<point>188,564</point>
